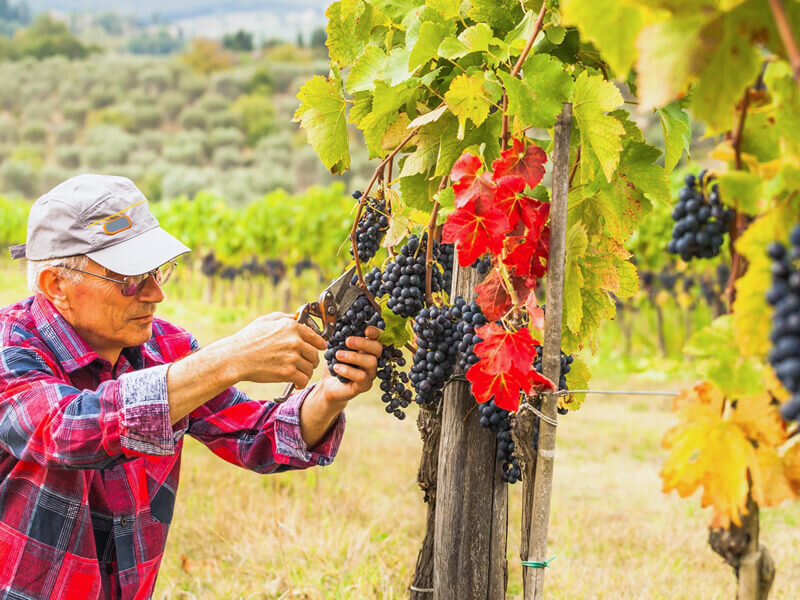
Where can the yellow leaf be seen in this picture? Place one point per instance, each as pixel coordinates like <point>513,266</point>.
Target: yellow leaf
<point>704,394</point>
<point>791,466</point>
<point>724,151</point>
<point>716,455</point>
<point>774,386</point>
<point>771,486</point>
<point>760,420</point>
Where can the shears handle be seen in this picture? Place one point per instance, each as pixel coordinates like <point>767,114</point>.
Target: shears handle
<point>302,316</point>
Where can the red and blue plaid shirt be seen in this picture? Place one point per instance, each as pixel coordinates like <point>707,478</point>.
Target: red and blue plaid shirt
<point>89,460</point>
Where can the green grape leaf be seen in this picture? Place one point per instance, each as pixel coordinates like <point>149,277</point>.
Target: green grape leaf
<point>536,98</point>
<point>424,156</point>
<point>447,204</point>
<point>599,133</point>
<point>366,70</point>
<point>577,379</point>
<point>343,46</point>
<point>742,190</point>
<point>397,70</point>
<point>577,242</point>
<point>786,99</point>
<point>500,15</point>
<point>677,133</point>
<point>477,38</point>
<point>612,25</point>
<point>721,362</point>
<point>466,99</point>
<point>452,48</point>
<point>427,44</point>
<point>448,8</point>
<point>386,102</point>
<point>556,34</point>
<point>322,114</point>
<point>396,332</point>
<point>414,192</point>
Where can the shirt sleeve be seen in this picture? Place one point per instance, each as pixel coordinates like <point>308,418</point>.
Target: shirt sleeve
<point>44,419</point>
<point>261,436</point>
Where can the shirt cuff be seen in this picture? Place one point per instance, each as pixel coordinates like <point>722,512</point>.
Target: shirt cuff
<point>146,427</point>
<point>290,448</point>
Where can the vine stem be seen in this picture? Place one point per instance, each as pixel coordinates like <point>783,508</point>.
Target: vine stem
<point>429,249</point>
<point>787,37</point>
<point>517,66</point>
<point>740,221</point>
<point>379,170</point>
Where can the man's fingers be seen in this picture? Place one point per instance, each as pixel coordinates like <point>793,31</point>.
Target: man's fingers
<point>355,375</point>
<point>305,367</point>
<point>309,353</point>
<point>373,347</point>
<point>372,332</point>
<point>277,315</point>
<point>312,337</point>
<point>367,362</point>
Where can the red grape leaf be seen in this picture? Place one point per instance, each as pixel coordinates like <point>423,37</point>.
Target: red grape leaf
<point>535,313</point>
<point>501,348</point>
<point>528,164</point>
<point>538,381</point>
<point>475,231</point>
<point>534,213</point>
<point>528,256</point>
<point>468,185</point>
<point>507,197</point>
<point>493,297</point>
<point>505,386</point>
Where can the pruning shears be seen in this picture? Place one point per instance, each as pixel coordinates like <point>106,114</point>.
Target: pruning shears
<point>331,306</point>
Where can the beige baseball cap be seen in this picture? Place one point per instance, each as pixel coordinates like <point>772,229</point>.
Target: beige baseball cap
<point>104,217</point>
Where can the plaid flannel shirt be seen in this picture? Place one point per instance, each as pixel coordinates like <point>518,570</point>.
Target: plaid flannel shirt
<point>89,460</point>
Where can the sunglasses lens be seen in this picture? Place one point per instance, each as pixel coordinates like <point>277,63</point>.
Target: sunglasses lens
<point>134,283</point>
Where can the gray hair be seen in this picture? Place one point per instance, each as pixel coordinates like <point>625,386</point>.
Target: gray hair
<point>35,268</point>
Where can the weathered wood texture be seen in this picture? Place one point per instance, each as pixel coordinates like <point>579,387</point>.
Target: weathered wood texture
<point>472,499</point>
<point>541,485</point>
<point>429,423</point>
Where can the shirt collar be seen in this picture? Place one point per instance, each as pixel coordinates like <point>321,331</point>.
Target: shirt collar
<point>70,349</point>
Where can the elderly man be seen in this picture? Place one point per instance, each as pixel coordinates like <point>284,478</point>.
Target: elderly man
<point>96,395</point>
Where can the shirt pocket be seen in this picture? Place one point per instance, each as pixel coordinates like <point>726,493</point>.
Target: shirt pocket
<point>162,504</point>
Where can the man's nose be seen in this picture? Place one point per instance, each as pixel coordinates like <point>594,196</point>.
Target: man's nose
<point>151,291</point>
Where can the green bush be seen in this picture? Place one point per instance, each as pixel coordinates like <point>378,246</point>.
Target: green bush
<point>75,111</point>
<point>193,118</point>
<point>33,155</point>
<point>223,119</point>
<point>102,96</point>
<point>151,140</point>
<point>5,151</point>
<point>256,116</point>
<point>117,116</point>
<point>191,85</point>
<point>8,129</point>
<point>229,84</point>
<point>188,153</point>
<point>211,103</point>
<point>34,132</point>
<point>179,182</point>
<point>171,103</point>
<point>38,111</point>
<point>225,136</point>
<point>69,156</point>
<point>143,158</point>
<point>145,117</point>
<point>227,157</point>
<point>20,177</point>
<point>66,133</point>
<point>156,79</point>
<point>50,176</point>
<point>107,145</point>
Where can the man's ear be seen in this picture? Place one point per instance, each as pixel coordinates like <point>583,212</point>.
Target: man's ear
<point>52,286</point>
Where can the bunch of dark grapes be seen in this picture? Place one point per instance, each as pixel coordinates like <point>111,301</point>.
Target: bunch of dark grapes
<point>498,420</point>
<point>210,265</point>
<point>471,319</point>
<point>700,222</point>
<point>784,295</point>
<point>437,347</point>
<point>354,322</point>
<point>566,367</point>
<point>484,265</point>
<point>447,254</point>
<point>403,279</point>
<point>394,383</point>
<point>371,228</point>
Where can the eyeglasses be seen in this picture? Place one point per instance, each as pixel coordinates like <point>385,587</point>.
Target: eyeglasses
<point>130,285</point>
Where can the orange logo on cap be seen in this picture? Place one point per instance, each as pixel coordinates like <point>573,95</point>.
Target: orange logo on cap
<point>117,222</point>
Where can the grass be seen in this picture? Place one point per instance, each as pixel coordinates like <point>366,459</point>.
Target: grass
<point>353,530</point>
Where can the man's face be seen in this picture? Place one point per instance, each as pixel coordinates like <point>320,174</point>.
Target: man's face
<point>105,318</point>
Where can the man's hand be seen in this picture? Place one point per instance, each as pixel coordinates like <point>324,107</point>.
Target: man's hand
<point>323,405</point>
<point>359,365</point>
<point>276,348</point>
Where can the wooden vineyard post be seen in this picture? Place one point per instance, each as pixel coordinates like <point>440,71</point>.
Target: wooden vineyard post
<point>469,560</point>
<point>537,469</point>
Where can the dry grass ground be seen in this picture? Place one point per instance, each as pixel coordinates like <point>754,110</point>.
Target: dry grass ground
<point>353,530</point>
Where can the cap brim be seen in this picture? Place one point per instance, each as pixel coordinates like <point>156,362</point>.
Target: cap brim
<point>140,254</point>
